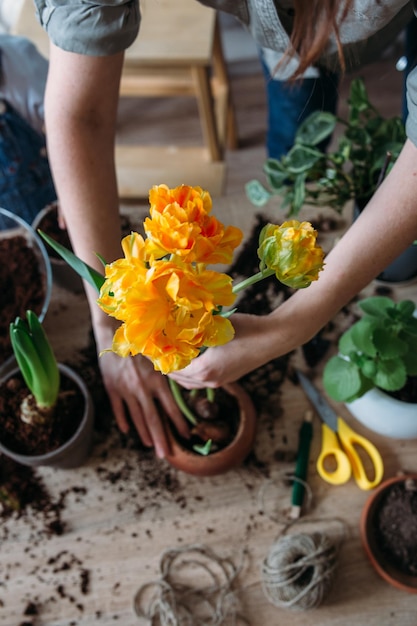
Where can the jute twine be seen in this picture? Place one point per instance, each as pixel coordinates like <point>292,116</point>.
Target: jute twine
<point>300,568</point>
<point>196,588</point>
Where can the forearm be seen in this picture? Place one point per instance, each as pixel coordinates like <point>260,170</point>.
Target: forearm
<point>80,131</point>
<point>378,236</point>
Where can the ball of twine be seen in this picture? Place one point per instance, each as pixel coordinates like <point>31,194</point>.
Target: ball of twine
<point>299,569</point>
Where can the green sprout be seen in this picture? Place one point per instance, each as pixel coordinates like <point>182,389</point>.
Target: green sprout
<point>38,366</point>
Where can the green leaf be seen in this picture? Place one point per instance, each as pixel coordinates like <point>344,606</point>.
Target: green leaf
<point>406,309</point>
<point>315,128</point>
<point>376,305</point>
<point>362,336</point>
<point>43,348</point>
<point>391,375</point>
<point>257,194</point>
<point>35,359</point>
<point>302,158</point>
<point>205,449</point>
<point>341,379</point>
<point>299,195</point>
<point>86,272</point>
<point>388,345</point>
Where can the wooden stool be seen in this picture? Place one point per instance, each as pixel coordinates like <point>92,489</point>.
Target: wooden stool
<point>178,53</point>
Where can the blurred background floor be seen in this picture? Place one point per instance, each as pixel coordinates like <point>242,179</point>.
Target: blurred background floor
<point>161,121</point>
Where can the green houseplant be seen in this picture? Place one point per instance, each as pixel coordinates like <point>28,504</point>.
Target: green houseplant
<point>367,148</point>
<point>377,360</point>
<point>352,171</point>
<point>46,412</point>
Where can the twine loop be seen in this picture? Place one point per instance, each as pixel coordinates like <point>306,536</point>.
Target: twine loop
<point>299,569</point>
<point>196,588</point>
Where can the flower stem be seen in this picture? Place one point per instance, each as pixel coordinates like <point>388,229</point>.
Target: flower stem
<point>252,280</point>
<point>175,389</point>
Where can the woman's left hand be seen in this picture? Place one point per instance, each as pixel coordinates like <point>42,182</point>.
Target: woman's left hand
<point>225,364</point>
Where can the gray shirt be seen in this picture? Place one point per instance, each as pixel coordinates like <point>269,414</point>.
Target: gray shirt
<point>110,26</point>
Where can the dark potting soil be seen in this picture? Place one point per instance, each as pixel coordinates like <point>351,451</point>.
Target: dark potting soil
<point>395,526</point>
<point>22,286</point>
<point>35,439</point>
<point>217,420</point>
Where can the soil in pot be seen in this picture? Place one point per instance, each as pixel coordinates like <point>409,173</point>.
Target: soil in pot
<point>22,286</point>
<point>217,420</point>
<point>33,440</point>
<point>395,526</point>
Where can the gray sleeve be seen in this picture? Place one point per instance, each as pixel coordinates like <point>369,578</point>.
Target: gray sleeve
<point>411,123</point>
<point>90,27</point>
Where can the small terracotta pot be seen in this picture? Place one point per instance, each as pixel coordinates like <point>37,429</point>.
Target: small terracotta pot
<point>229,457</point>
<point>381,564</point>
<point>77,449</point>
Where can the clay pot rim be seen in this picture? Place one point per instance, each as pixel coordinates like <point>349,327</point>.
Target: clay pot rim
<point>52,458</point>
<point>229,457</point>
<point>389,573</point>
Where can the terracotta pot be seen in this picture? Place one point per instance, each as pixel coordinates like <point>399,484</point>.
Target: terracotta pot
<point>77,449</point>
<point>387,570</point>
<point>229,457</point>
<point>62,273</point>
<point>14,227</point>
<point>385,415</point>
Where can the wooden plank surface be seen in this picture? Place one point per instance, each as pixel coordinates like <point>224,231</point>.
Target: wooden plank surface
<point>124,508</point>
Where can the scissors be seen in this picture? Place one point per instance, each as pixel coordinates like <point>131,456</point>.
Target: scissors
<point>338,444</point>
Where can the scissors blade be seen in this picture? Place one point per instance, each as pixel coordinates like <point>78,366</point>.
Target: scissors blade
<point>323,408</point>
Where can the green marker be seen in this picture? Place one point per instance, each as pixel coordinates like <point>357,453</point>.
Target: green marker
<point>303,453</point>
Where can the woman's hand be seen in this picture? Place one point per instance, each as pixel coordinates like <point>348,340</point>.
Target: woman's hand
<point>133,387</point>
<point>225,364</point>
<point>135,390</point>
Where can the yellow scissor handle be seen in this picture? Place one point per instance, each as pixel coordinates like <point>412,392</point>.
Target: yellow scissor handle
<point>332,454</point>
<point>349,439</point>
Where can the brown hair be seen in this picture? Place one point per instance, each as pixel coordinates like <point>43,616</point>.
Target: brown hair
<point>314,22</point>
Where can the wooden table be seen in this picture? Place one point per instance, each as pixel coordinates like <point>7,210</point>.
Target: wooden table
<point>122,512</point>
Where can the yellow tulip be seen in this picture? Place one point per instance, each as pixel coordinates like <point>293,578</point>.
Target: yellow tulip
<point>180,224</point>
<point>290,250</point>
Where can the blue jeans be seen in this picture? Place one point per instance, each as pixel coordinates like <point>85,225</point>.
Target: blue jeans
<point>289,105</point>
<point>26,184</point>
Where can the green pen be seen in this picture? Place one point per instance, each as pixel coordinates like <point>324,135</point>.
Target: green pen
<point>301,467</point>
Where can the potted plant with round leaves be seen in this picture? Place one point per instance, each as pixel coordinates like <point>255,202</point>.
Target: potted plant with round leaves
<point>172,305</point>
<point>367,148</point>
<point>46,412</point>
<point>375,371</point>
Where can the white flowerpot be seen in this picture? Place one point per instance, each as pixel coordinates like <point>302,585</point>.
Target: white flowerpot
<point>385,415</point>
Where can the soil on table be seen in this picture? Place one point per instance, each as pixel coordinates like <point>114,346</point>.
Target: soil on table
<point>36,439</point>
<point>395,526</point>
<point>22,286</point>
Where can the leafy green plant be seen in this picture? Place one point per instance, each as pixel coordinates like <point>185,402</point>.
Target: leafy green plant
<point>368,147</point>
<point>39,368</point>
<point>379,350</point>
